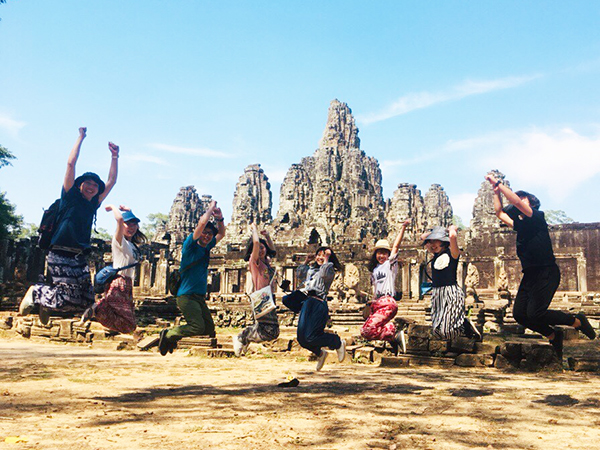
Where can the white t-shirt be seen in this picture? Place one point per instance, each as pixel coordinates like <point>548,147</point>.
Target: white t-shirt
<point>124,254</point>
<point>383,278</point>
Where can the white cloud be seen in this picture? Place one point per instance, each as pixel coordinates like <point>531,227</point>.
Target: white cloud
<point>191,151</point>
<point>139,157</point>
<point>557,161</point>
<point>10,125</point>
<point>419,100</point>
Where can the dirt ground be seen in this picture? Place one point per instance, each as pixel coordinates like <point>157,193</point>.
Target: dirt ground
<point>61,396</point>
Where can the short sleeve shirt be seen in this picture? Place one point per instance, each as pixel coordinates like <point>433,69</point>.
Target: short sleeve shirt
<point>383,278</point>
<point>534,247</point>
<point>123,254</point>
<point>76,217</point>
<point>443,269</point>
<point>194,280</point>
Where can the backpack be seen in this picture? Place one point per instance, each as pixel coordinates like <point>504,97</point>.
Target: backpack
<point>174,281</point>
<point>106,275</point>
<point>48,225</point>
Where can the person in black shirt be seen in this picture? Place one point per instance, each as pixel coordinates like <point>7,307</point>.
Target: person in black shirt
<point>541,275</point>
<point>447,298</point>
<point>67,265</point>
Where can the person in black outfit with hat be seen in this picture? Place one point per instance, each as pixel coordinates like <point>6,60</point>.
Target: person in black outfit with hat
<point>541,275</point>
<point>70,287</point>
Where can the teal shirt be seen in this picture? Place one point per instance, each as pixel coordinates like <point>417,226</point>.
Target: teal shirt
<point>194,279</point>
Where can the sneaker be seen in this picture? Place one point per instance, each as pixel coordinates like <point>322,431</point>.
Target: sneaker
<point>172,346</point>
<point>26,305</point>
<point>321,359</point>
<point>44,315</point>
<point>471,330</point>
<point>585,327</point>
<point>87,315</point>
<point>237,346</point>
<point>557,342</point>
<point>163,343</point>
<point>341,352</point>
<point>402,341</point>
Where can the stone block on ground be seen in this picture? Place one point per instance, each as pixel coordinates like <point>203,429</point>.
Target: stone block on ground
<point>485,348</point>
<point>462,345</point>
<point>66,328</point>
<point>539,356</point>
<point>474,360</point>
<point>584,364</point>
<point>502,363</point>
<point>6,323</point>
<point>511,351</point>
<point>364,354</point>
<point>418,343</point>
<point>437,346</point>
<point>419,331</point>
<point>391,361</point>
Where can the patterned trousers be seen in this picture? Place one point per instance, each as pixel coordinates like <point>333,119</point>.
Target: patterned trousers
<point>71,288</point>
<point>264,329</point>
<point>447,311</point>
<point>378,326</point>
<point>115,309</point>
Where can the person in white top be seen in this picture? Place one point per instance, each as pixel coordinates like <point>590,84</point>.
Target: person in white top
<point>115,309</point>
<point>383,308</point>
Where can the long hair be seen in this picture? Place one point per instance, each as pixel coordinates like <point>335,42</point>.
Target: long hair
<point>332,259</point>
<point>139,238</point>
<point>270,251</point>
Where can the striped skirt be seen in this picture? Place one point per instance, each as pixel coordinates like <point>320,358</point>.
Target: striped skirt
<point>447,311</point>
<point>115,309</point>
<point>71,288</point>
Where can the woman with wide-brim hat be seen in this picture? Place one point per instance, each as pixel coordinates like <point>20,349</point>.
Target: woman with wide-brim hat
<point>447,298</point>
<point>384,269</point>
<point>70,287</point>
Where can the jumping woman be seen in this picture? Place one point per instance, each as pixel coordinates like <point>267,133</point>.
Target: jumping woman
<point>318,272</point>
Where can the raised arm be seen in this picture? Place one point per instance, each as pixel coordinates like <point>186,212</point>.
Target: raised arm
<point>112,172</point>
<point>69,180</point>
<point>119,218</point>
<point>497,186</point>
<point>255,243</point>
<point>453,235</point>
<point>396,245</point>
<point>204,220</point>
<point>218,215</point>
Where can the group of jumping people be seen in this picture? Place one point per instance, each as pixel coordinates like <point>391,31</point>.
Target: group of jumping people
<point>69,288</point>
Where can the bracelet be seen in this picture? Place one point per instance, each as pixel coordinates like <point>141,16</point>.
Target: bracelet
<point>220,220</point>
<point>497,183</point>
<point>115,157</point>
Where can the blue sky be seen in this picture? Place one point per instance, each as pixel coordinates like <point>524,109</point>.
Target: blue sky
<point>193,91</point>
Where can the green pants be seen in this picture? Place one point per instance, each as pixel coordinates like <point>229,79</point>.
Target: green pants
<point>197,316</point>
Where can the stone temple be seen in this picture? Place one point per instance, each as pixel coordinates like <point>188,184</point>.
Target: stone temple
<point>335,197</point>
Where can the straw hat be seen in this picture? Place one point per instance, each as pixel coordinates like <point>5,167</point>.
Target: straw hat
<point>383,244</point>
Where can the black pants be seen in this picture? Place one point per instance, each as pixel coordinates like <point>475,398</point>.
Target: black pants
<point>312,321</point>
<point>535,294</point>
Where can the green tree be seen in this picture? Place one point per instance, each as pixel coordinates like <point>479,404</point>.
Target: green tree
<point>101,233</point>
<point>155,222</point>
<point>557,217</point>
<point>28,230</point>
<point>457,221</point>
<point>10,221</point>
<point>5,157</point>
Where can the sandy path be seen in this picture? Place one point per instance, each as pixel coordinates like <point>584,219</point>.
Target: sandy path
<point>72,397</point>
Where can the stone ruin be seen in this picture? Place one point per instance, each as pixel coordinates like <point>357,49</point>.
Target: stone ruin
<point>335,197</point>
